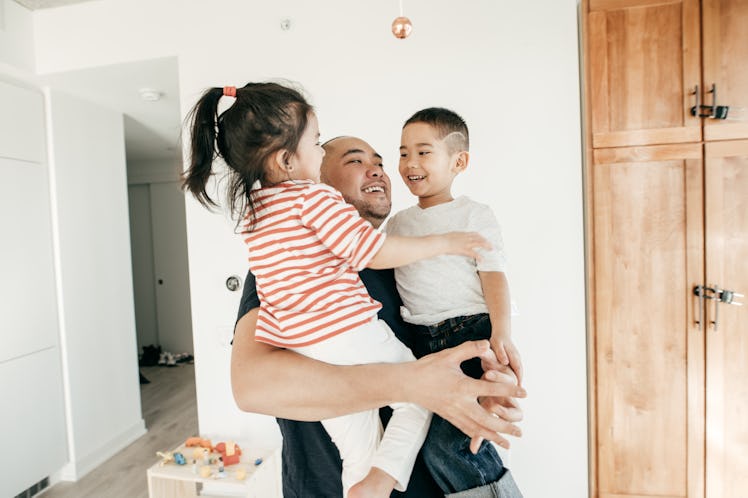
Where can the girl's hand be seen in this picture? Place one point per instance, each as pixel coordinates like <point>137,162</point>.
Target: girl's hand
<point>464,244</point>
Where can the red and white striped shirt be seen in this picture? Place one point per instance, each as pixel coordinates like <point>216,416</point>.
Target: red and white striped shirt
<point>306,246</point>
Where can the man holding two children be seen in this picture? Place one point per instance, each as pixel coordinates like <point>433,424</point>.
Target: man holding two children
<point>298,388</point>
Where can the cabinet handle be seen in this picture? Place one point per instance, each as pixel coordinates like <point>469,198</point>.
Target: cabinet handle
<point>698,291</point>
<point>728,297</point>
<point>696,108</point>
<point>715,322</point>
<point>723,296</point>
<point>719,296</point>
<point>714,111</point>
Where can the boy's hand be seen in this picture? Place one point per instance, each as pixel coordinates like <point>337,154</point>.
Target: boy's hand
<point>465,244</point>
<point>508,354</point>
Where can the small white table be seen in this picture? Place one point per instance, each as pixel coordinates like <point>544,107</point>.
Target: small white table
<point>180,481</point>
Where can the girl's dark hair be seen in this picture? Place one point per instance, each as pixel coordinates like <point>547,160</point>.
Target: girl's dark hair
<point>263,119</point>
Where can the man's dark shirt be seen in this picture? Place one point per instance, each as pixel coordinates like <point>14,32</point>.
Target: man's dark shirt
<point>310,461</point>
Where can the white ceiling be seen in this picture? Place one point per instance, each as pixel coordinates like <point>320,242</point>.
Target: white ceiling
<point>151,128</point>
<point>47,4</point>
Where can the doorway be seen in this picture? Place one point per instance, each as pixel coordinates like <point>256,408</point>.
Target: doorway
<point>146,93</point>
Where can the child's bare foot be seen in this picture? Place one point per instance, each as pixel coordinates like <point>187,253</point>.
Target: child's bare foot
<point>377,484</point>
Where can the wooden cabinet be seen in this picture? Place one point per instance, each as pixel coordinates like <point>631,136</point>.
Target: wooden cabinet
<point>725,55</point>
<point>643,62</point>
<point>648,238</point>
<point>727,340</point>
<point>667,210</point>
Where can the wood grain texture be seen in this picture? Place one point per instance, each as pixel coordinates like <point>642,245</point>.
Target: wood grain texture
<point>666,211</point>
<point>644,66</point>
<point>587,176</point>
<point>725,27</point>
<point>627,4</point>
<point>727,344</point>
<point>642,283</point>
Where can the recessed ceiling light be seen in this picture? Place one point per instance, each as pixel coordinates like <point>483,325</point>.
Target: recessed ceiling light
<point>149,94</point>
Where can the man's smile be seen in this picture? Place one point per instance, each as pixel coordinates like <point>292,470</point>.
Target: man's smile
<point>374,188</point>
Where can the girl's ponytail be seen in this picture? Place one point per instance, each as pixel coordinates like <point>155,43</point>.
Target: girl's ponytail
<point>262,119</point>
<point>203,118</point>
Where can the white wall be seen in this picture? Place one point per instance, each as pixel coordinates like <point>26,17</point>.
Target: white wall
<point>95,281</point>
<point>511,69</point>
<point>152,171</point>
<point>16,36</point>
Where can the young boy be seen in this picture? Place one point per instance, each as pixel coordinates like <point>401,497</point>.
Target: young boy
<point>455,298</point>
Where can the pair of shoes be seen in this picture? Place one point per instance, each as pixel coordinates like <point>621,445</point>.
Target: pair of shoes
<point>167,359</point>
<point>183,358</point>
<point>150,355</point>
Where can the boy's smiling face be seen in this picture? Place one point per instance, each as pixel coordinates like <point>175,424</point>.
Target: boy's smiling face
<point>427,166</point>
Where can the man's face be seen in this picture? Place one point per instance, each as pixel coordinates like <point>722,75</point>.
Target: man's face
<point>355,169</point>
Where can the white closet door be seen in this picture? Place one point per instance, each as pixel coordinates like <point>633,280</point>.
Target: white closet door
<point>143,277</point>
<point>27,287</point>
<point>170,263</point>
<point>33,420</point>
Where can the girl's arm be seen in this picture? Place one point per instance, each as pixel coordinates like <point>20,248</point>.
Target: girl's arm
<point>284,384</point>
<point>399,250</point>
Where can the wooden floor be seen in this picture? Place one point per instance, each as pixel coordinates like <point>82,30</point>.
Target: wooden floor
<point>170,414</point>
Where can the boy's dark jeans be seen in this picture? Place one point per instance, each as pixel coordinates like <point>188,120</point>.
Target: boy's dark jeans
<point>447,450</point>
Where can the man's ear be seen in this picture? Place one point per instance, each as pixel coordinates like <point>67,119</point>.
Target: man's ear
<point>462,160</point>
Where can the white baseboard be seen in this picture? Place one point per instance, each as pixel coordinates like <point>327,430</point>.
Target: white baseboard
<point>81,466</point>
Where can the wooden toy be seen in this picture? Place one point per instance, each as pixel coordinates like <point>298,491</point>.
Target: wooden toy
<point>166,457</point>
<point>198,441</point>
<point>230,452</point>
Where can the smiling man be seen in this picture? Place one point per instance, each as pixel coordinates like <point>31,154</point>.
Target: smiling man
<point>355,169</point>
<point>281,383</point>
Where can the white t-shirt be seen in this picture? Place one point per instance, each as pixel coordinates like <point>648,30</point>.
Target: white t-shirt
<point>443,287</point>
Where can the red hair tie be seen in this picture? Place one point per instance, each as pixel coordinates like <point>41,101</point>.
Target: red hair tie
<point>229,91</point>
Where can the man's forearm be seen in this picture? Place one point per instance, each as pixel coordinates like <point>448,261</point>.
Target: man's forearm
<point>284,384</point>
<point>279,382</point>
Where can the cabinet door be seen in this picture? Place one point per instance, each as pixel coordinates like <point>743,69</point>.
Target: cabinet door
<point>725,49</point>
<point>648,255</point>
<point>727,343</point>
<point>643,58</point>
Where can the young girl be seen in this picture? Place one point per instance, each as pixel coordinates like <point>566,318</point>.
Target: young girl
<point>306,245</point>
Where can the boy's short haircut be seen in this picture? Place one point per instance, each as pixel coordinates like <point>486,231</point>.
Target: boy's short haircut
<point>449,125</point>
